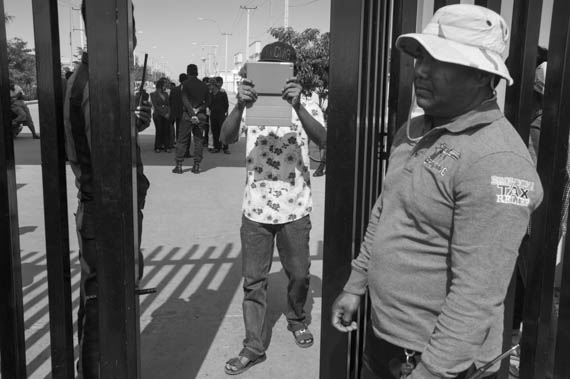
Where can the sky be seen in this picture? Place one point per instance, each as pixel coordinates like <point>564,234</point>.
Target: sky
<point>172,34</point>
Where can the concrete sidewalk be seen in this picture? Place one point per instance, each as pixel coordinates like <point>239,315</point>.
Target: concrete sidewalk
<point>193,324</point>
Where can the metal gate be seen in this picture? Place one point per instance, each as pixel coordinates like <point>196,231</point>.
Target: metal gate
<point>370,97</point>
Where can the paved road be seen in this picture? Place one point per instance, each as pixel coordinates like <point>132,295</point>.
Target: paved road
<point>193,324</point>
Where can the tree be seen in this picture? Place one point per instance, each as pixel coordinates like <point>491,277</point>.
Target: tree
<point>312,64</point>
<point>21,63</point>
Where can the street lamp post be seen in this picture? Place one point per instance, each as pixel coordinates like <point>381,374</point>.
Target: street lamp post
<point>222,33</point>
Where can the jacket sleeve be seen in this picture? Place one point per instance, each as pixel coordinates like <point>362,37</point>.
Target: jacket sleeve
<point>358,280</point>
<point>494,199</point>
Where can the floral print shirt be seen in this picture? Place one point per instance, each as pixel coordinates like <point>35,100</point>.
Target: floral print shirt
<point>278,185</point>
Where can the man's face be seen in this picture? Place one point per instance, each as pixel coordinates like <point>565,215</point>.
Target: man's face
<point>444,89</point>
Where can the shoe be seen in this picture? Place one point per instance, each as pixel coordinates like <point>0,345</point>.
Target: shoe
<point>177,169</point>
<point>215,151</point>
<point>227,152</point>
<point>196,168</point>
<point>167,150</point>
<point>157,150</point>
<point>235,366</point>
<point>36,137</point>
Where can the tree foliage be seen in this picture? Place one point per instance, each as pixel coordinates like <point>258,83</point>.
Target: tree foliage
<point>21,63</point>
<point>312,64</point>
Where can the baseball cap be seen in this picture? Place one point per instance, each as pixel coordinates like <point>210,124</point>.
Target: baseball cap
<point>464,34</point>
<point>540,78</point>
<point>278,52</point>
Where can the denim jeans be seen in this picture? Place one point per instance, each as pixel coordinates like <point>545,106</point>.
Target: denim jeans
<point>382,360</point>
<point>88,313</point>
<point>257,241</point>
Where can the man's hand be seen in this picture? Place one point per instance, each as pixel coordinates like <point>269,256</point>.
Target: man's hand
<point>246,95</point>
<point>343,309</point>
<point>292,92</point>
<point>143,115</point>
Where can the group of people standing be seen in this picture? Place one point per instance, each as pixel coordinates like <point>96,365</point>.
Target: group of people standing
<point>192,108</point>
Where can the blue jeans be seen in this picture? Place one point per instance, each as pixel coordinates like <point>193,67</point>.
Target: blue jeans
<point>257,242</point>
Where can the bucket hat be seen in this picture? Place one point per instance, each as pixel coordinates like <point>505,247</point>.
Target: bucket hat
<point>463,34</point>
<point>540,78</point>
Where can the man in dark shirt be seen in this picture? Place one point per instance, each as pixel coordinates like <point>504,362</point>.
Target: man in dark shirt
<point>176,109</point>
<point>218,112</point>
<point>195,100</point>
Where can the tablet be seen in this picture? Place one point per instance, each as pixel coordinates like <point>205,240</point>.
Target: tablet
<point>269,79</point>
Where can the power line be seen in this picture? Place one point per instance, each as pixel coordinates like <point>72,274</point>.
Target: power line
<point>303,4</point>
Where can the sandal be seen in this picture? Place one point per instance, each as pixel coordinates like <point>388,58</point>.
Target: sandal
<point>303,337</point>
<point>241,367</point>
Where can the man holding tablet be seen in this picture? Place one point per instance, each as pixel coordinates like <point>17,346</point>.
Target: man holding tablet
<point>277,199</point>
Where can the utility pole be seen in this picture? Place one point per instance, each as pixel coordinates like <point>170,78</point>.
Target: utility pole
<point>226,55</point>
<point>286,15</point>
<point>248,9</point>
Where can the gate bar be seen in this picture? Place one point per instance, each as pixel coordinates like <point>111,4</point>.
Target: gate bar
<point>50,99</point>
<point>345,52</point>
<point>546,219</point>
<point>558,84</point>
<point>110,41</point>
<point>494,5</point>
<point>12,343</point>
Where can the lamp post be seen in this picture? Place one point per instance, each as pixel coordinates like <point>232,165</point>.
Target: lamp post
<point>222,33</point>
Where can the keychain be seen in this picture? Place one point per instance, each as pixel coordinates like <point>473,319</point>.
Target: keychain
<point>409,365</point>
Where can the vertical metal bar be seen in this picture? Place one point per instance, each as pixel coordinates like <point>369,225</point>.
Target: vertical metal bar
<point>50,99</point>
<point>558,86</point>
<point>518,109</point>
<point>109,26</point>
<point>402,66</point>
<point>494,5</point>
<point>442,3</point>
<point>12,344</point>
<point>546,220</point>
<point>345,52</point>
<point>522,64</point>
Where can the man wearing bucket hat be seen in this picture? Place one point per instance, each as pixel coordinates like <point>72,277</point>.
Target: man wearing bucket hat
<point>442,241</point>
<point>276,208</point>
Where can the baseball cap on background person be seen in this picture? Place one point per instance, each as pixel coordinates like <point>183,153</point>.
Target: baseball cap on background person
<point>278,52</point>
<point>540,78</point>
<point>274,52</point>
<point>463,34</point>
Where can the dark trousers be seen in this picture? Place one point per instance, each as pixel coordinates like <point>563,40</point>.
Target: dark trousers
<point>88,313</point>
<point>382,360</point>
<point>216,121</point>
<point>257,243</point>
<point>162,134</point>
<point>187,129</point>
<point>177,122</point>
<point>206,128</point>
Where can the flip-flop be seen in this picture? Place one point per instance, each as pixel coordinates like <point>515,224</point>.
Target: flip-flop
<point>240,367</point>
<point>303,335</point>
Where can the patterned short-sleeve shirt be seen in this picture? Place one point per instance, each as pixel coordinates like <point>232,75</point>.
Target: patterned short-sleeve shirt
<point>278,185</point>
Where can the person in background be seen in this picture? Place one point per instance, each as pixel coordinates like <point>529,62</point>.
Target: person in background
<point>161,116</point>
<point>443,237</point>
<point>206,140</point>
<point>176,109</point>
<point>195,101</point>
<point>218,112</point>
<point>19,106</point>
